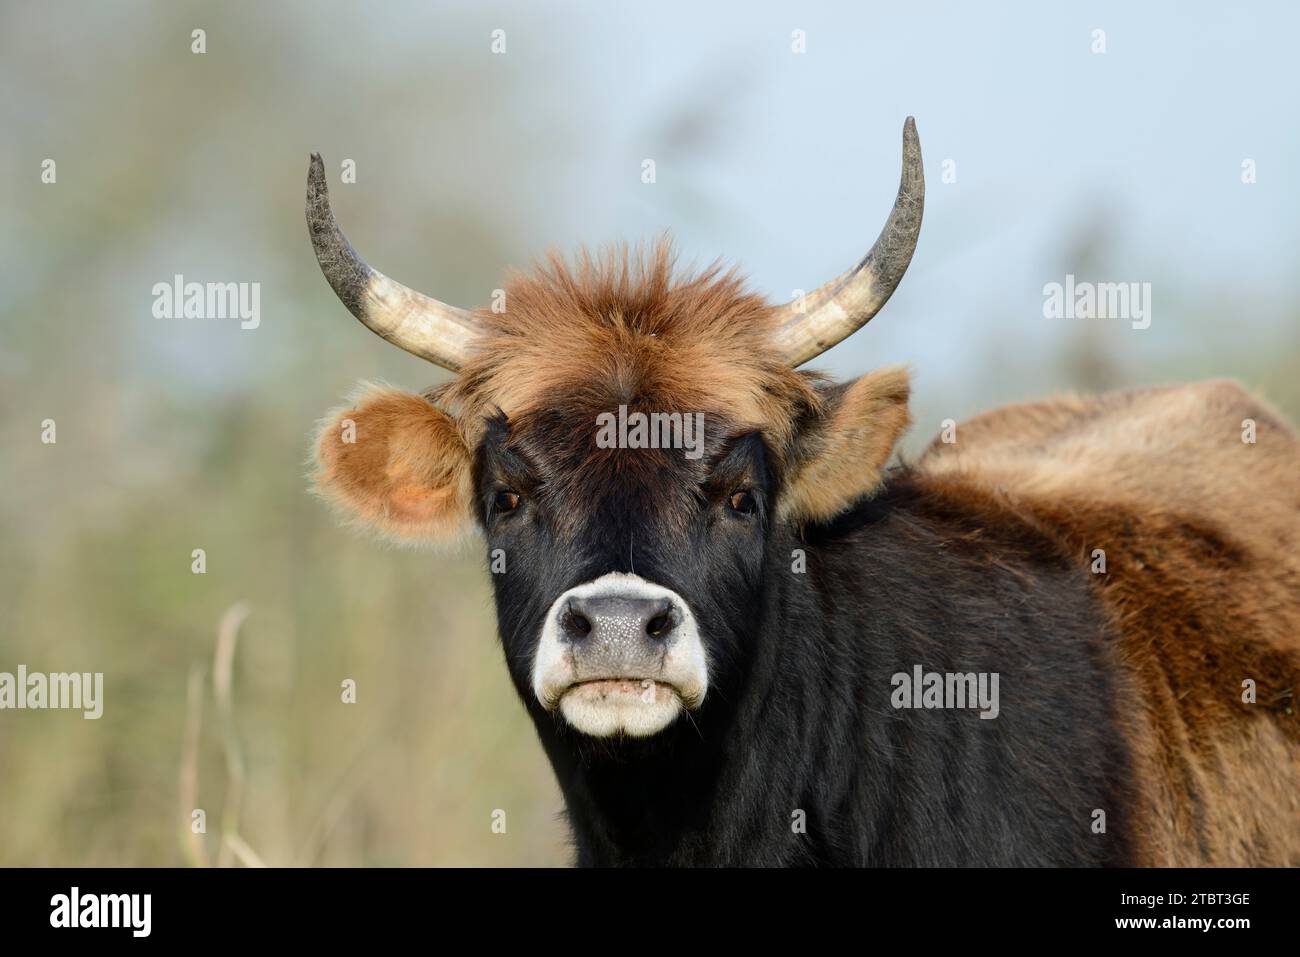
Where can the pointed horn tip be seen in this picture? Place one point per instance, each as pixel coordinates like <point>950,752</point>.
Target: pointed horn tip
<point>319,214</point>
<point>912,168</point>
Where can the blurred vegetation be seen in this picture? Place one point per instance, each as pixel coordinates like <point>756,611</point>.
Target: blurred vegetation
<point>180,434</point>
<point>174,435</point>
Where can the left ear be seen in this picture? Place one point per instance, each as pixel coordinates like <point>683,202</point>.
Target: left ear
<point>840,455</point>
<point>396,463</point>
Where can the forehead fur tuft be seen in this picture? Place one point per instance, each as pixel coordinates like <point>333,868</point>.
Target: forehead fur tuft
<point>624,326</point>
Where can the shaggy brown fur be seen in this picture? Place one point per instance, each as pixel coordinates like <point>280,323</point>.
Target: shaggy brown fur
<point>397,465</point>
<point>621,328</point>
<point>1201,534</point>
<point>842,454</point>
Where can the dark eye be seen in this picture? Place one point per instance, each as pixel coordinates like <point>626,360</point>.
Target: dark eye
<point>743,502</point>
<point>506,501</point>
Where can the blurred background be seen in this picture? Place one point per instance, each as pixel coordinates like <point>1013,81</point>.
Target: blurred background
<point>1044,156</point>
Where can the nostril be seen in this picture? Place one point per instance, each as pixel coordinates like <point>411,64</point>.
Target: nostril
<point>659,625</point>
<point>576,625</point>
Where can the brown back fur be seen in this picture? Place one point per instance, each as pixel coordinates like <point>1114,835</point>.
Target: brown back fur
<point>1201,534</point>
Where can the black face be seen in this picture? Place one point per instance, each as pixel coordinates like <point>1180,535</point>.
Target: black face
<point>558,512</point>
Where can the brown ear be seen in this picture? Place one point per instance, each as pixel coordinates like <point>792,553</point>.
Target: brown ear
<point>395,463</point>
<point>840,456</point>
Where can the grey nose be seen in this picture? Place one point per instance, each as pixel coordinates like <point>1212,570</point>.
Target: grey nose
<point>618,622</point>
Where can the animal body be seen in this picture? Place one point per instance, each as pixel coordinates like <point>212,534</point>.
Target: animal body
<point>1071,636</point>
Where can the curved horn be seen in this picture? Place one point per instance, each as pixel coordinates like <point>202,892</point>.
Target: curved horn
<point>425,327</point>
<point>833,312</point>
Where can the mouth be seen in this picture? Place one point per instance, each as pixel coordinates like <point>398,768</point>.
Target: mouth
<point>635,707</point>
<point>648,690</point>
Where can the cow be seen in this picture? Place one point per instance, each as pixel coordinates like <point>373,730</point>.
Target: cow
<point>1070,636</point>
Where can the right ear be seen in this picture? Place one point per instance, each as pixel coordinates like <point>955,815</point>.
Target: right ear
<point>395,463</point>
<point>841,457</point>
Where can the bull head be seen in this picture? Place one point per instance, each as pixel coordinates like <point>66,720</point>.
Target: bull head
<point>634,574</point>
